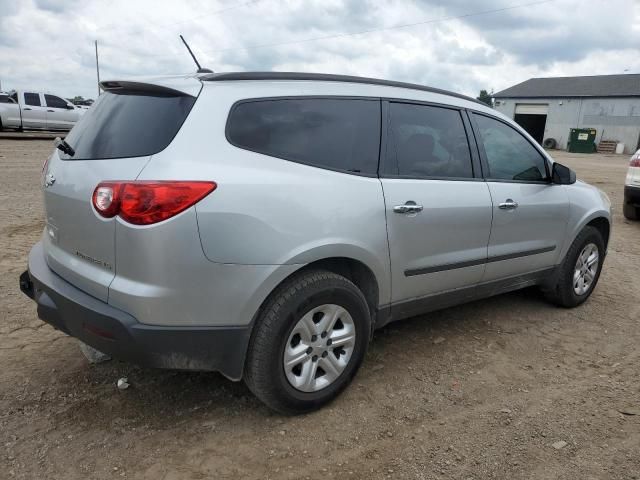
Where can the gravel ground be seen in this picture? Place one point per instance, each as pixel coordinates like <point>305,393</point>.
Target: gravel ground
<point>508,387</point>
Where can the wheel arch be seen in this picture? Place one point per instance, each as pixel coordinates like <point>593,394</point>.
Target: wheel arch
<point>355,270</point>
<point>599,219</point>
<point>603,225</point>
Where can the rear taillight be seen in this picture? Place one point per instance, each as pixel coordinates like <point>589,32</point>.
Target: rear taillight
<point>635,160</point>
<point>147,202</point>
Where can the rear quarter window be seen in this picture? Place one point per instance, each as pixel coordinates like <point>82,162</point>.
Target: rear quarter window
<point>332,133</point>
<point>128,124</point>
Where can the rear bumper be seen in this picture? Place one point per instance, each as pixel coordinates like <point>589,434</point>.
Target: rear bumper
<point>120,335</point>
<point>632,195</point>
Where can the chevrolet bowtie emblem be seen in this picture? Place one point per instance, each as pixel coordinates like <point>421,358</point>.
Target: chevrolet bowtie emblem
<point>49,180</point>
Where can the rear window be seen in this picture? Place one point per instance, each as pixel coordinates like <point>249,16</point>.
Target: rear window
<point>429,142</point>
<point>338,134</point>
<point>128,124</point>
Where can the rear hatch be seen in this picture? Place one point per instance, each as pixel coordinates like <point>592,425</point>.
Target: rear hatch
<point>114,140</point>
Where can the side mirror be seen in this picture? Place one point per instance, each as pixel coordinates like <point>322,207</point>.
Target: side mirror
<point>70,106</point>
<point>562,175</point>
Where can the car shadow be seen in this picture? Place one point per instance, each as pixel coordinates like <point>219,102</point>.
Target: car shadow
<point>153,393</point>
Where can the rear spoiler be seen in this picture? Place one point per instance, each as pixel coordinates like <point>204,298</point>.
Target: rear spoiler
<point>117,86</point>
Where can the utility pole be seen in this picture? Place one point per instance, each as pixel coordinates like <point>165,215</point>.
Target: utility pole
<point>97,67</point>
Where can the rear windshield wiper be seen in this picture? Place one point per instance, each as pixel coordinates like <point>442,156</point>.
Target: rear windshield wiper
<point>64,146</point>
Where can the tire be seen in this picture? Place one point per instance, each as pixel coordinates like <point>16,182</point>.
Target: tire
<point>287,307</point>
<point>631,212</point>
<point>563,290</point>
<point>549,143</point>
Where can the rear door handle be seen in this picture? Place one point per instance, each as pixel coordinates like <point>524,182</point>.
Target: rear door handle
<point>52,111</point>
<point>408,207</point>
<point>508,204</point>
<point>26,109</point>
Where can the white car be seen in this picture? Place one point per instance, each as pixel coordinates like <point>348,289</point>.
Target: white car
<point>37,111</point>
<point>632,189</point>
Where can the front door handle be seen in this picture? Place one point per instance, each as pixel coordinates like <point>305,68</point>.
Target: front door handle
<point>508,204</point>
<point>408,207</point>
<point>52,111</point>
<point>26,109</point>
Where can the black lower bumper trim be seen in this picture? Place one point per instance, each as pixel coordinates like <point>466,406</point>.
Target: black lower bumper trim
<point>120,335</point>
<point>632,195</point>
<point>26,285</point>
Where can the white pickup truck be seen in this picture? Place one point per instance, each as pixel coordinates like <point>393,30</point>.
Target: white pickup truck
<point>37,111</point>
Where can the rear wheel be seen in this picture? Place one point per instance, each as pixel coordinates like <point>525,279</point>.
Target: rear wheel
<point>580,270</point>
<point>308,342</point>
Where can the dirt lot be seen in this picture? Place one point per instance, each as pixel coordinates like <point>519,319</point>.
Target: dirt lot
<point>479,391</point>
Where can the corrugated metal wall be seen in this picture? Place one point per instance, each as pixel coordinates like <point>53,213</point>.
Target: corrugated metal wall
<point>613,118</point>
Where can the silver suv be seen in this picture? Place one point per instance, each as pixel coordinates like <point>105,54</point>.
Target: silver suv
<point>263,225</point>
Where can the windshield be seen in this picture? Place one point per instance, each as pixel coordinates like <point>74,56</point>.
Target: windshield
<point>128,124</point>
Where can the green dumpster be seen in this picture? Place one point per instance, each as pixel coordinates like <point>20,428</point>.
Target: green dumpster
<point>582,140</point>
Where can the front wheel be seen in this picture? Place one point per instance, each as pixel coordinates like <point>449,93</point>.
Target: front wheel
<point>308,342</point>
<point>580,270</point>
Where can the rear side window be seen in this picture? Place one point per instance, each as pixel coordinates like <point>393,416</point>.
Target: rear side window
<point>338,134</point>
<point>55,102</point>
<point>32,99</point>
<point>128,124</point>
<point>509,155</point>
<point>428,142</point>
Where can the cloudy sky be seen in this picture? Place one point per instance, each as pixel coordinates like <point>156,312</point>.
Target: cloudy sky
<point>460,45</point>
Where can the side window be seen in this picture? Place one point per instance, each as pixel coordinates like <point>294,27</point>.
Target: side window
<point>429,142</point>
<point>510,156</point>
<point>5,99</point>
<point>339,134</point>
<point>55,102</point>
<point>32,99</point>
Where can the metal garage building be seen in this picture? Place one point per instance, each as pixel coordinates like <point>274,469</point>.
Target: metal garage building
<point>550,107</point>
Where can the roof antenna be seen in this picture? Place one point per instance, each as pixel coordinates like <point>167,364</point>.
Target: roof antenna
<point>200,69</point>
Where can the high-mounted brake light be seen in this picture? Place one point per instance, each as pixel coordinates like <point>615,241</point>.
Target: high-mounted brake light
<point>148,202</point>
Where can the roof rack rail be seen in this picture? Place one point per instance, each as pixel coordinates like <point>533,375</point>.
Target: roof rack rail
<point>325,77</point>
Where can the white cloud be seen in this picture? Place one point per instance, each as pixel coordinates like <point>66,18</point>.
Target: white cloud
<point>49,43</point>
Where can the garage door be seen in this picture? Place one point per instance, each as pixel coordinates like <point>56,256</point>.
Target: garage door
<point>532,108</point>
